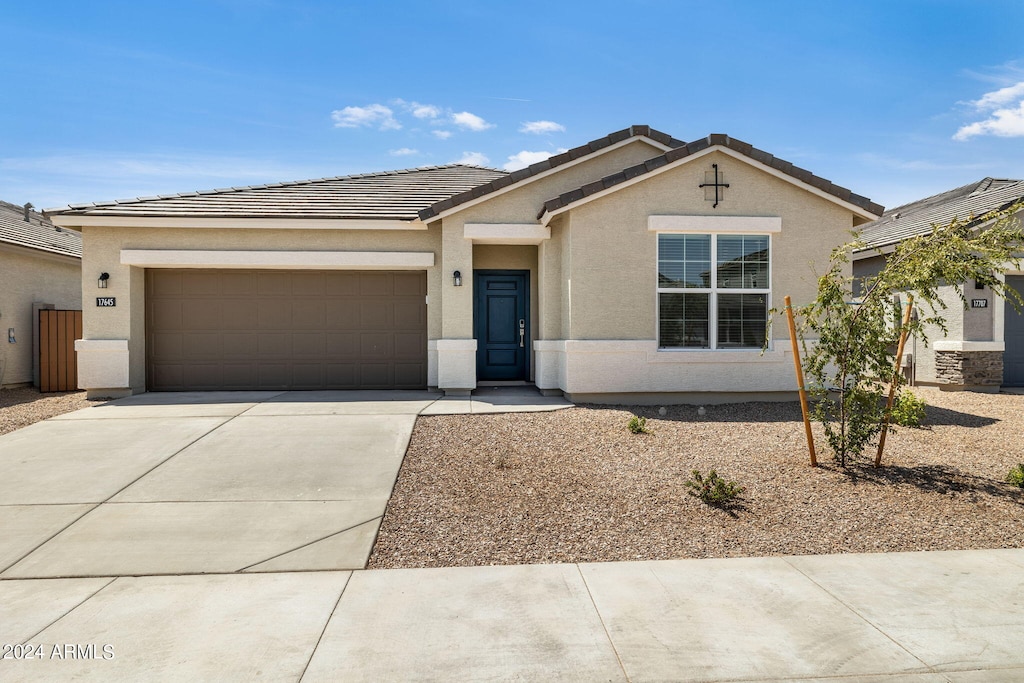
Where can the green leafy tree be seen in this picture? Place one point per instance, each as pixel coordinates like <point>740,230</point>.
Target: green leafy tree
<point>857,322</point>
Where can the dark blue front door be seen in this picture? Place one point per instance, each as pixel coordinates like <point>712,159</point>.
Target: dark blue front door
<point>502,324</point>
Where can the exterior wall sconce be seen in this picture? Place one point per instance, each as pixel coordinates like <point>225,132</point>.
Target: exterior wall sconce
<point>457,277</point>
<point>102,282</point>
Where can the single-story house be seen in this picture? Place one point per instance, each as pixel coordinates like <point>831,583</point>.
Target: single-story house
<point>983,348</point>
<point>40,267</point>
<point>634,267</point>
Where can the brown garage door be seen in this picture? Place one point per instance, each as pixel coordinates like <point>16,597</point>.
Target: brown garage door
<point>270,329</point>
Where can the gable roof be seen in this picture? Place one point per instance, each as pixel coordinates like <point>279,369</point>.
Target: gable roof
<point>920,217</point>
<point>716,139</point>
<point>389,195</point>
<point>548,164</point>
<point>37,233</point>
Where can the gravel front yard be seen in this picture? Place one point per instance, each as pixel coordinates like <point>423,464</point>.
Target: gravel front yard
<point>577,486</point>
<point>22,407</point>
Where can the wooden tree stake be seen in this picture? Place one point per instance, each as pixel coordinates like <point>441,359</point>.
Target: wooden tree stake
<point>800,382</point>
<point>892,383</point>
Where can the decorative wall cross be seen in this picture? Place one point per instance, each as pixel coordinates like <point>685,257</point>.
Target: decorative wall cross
<point>715,185</point>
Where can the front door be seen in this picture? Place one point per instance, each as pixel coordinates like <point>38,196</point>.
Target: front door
<point>1013,336</point>
<point>501,322</point>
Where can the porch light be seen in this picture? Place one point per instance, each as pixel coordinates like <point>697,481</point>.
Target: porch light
<point>457,277</point>
<point>102,282</point>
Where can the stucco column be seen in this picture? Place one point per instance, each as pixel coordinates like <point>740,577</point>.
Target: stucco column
<point>111,359</point>
<point>456,350</point>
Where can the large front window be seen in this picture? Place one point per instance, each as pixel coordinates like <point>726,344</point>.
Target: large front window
<point>713,290</point>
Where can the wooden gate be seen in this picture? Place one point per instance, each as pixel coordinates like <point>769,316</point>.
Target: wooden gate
<point>58,364</point>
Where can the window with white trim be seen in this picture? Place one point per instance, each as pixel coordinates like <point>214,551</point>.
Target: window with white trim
<point>713,290</point>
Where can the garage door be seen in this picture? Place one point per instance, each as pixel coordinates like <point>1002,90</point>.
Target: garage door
<point>269,329</point>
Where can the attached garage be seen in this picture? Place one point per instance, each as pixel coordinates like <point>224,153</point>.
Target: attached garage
<point>280,329</point>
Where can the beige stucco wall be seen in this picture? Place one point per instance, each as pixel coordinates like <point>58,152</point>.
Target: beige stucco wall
<point>519,205</point>
<point>613,255</point>
<point>28,276</point>
<point>102,253</point>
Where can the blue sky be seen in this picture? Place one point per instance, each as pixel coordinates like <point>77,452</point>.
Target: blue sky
<point>894,99</point>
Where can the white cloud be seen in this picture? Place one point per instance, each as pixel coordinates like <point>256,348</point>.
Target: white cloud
<point>464,119</point>
<point>1004,123</point>
<point>473,159</point>
<point>992,100</point>
<point>441,134</point>
<point>525,158</point>
<point>1005,114</point>
<point>417,109</point>
<point>372,115</point>
<point>541,127</point>
<point>403,152</point>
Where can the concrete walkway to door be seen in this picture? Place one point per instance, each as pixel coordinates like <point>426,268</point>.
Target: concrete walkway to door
<point>211,482</point>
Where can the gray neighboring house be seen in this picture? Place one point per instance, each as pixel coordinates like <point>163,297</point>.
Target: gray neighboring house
<point>984,347</point>
<point>40,266</point>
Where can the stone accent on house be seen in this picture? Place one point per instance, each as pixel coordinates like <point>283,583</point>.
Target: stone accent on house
<point>968,369</point>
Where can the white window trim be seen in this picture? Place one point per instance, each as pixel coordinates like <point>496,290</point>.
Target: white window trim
<point>712,303</point>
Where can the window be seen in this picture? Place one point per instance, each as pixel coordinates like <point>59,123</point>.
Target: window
<point>713,290</point>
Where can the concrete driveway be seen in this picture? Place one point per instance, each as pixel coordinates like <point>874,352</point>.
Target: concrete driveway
<point>191,483</point>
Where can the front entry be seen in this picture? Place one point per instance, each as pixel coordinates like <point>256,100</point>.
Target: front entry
<point>501,324</point>
<point>1013,336</point>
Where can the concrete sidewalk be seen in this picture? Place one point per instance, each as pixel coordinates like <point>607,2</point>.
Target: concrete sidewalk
<point>921,617</point>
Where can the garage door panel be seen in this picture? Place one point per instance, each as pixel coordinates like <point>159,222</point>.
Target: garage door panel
<point>201,314</point>
<point>204,376</point>
<point>376,285</point>
<point>309,344</point>
<point>308,284</point>
<point>375,375</point>
<point>375,345</point>
<point>343,345</point>
<point>274,283</point>
<point>342,314</point>
<point>341,374</point>
<point>308,315</point>
<point>240,344</point>
<point>238,314</point>
<point>274,375</point>
<point>409,316</point>
<point>167,345</point>
<point>274,345</point>
<point>373,315</point>
<point>238,283</point>
<point>201,346</point>
<point>201,283</point>
<point>285,329</point>
<point>274,314</point>
<point>239,375</point>
<point>407,375</point>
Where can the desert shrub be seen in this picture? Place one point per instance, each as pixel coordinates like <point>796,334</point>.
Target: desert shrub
<point>712,489</point>
<point>638,425</point>
<point>908,410</point>
<point>1016,475</point>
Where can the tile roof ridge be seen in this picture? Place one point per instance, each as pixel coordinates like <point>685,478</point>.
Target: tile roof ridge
<point>262,186</point>
<point>700,144</point>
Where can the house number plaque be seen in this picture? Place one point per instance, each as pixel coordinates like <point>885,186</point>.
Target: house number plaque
<point>979,303</point>
<point>106,301</point>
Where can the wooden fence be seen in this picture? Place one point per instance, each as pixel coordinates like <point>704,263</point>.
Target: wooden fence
<point>58,364</point>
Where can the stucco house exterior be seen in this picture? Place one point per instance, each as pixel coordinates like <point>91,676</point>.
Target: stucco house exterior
<point>40,266</point>
<point>983,348</point>
<point>635,267</point>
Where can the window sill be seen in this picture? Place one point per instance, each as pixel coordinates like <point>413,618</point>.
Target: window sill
<point>716,356</point>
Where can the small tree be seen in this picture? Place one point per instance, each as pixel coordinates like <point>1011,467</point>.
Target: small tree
<point>851,363</point>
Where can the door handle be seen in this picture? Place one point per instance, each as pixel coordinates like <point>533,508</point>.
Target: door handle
<point>522,332</point>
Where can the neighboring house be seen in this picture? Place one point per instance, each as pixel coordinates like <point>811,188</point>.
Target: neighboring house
<point>983,348</point>
<point>636,267</point>
<point>40,266</point>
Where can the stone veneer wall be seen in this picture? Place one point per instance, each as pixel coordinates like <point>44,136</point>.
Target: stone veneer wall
<point>969,368</point>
